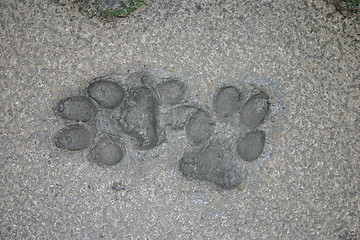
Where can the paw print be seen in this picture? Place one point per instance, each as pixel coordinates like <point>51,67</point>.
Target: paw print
<point>111,107</point>
<point>117,112</point>
<point>222,139</point>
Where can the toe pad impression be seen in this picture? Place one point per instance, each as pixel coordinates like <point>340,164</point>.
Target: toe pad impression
<point>107,93</point>
<point>199,127</point>
<point>106,153</point>
<point>255,110</point>
<point>75,137</point>
<point>78,108</point>
<point>251,145</point>
<point>227,101</point>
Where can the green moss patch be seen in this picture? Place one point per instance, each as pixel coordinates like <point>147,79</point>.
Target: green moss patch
<point>125,9</point>
<point>109,9</point>
<point>351,6</point>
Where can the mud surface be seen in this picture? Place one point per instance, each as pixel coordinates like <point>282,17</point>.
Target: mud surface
<point>128,184</point>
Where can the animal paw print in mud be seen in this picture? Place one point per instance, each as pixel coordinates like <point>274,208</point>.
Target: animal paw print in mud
<point>114,106</point>
<point>226,139</point>
<point>141,108</point>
